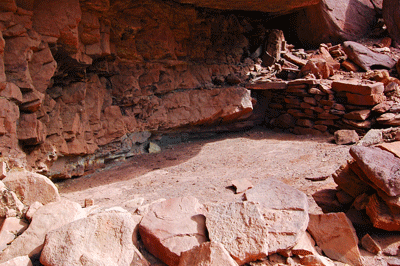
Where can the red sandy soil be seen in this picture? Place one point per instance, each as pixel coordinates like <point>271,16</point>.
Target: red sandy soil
<point>205,167</point>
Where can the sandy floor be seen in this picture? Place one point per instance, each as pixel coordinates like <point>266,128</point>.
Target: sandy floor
<point>205,168</point>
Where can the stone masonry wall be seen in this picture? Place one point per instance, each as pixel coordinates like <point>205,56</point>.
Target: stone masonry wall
<point>317,106</point>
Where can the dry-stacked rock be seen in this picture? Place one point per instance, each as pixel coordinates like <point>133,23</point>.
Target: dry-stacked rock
<point>372,180</point>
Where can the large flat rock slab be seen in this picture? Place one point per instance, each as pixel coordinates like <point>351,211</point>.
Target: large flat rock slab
<point>336,236</point>
<point>393,147</point>
<point>172,227</point>
<point>285,210</point>
<point>240,228</point>
<point>366,58</point>
<point>381,167</point>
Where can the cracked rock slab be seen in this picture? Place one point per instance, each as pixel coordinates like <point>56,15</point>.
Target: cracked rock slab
<point>240,228</point>
<point>172,227</point>
<point>285,210</point>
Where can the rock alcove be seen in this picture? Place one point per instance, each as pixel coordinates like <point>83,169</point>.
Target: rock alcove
<point>85,82</point>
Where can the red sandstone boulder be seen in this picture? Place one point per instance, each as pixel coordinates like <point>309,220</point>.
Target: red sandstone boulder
<point>366,58</point>
<point>358,115</point>
<point>358,87</point>
<point>360,92</point>
<point>32,209</point>
<point>47,218</point>
<point>11,228</point>
<point>104,238</point>
<point>386,242</point>
<point>382,216</point>
<point>332,21</point>
<point>31,187</point>
<point>381,168</point>
<point>318,67</point>
<point>346,136</point>
<point>336,236</point>
<point>349,181</point>
<point>228,224</point>
<point>305,245</point>
<point>393,147</point>
<point>172,227</point>
<point>207,254</point>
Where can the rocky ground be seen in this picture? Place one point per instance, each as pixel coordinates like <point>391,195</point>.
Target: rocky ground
<point>206,168</point>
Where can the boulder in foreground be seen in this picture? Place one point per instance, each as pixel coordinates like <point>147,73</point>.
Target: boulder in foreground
<point>381,167</point>
<point>101,239</point>
<point>336,236</point>
<point>172,227</point>
<point>47,218</point>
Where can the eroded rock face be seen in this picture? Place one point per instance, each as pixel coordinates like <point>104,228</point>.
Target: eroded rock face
<point>75,98</point>
<point>391,15</point>
<point>336,21</point>
<point>87,74</point>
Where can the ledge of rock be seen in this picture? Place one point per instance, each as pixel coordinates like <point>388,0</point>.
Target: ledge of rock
<point>274,6</point>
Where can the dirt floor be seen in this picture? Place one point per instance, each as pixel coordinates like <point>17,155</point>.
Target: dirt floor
<point>205,167</point>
